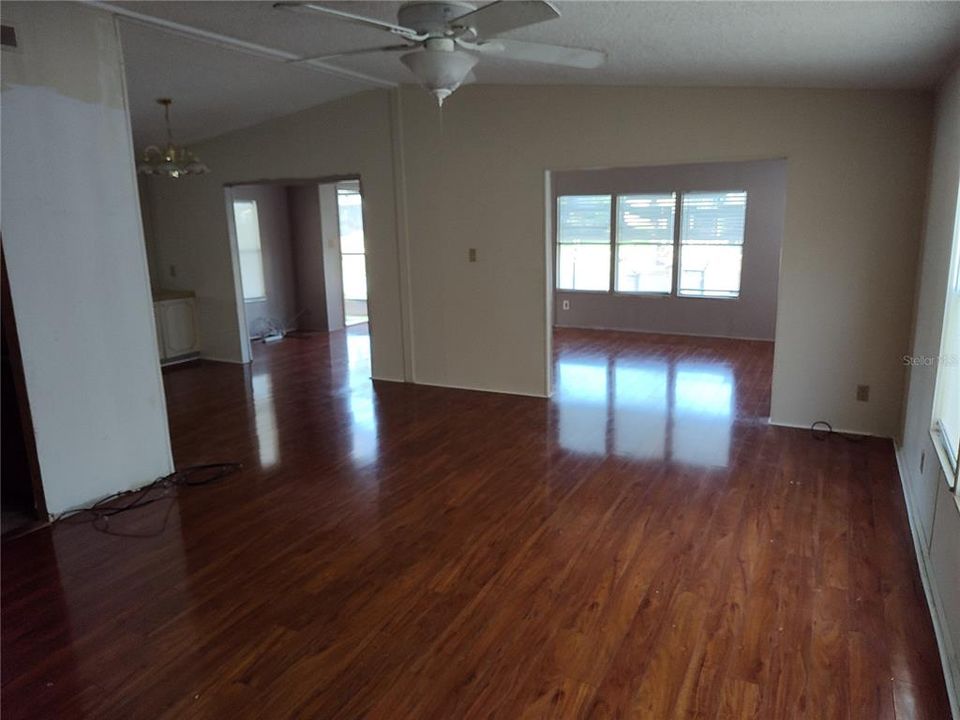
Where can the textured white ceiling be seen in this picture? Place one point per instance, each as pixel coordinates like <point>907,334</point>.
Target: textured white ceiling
<point>214,90</point>
<point>799,44</point>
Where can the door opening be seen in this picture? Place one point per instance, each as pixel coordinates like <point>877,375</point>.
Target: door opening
<point>21,493</point>
<point>299,258</point>
<point>353,261</point>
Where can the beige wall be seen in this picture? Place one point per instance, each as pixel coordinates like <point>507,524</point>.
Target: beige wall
<point>332,267</point>
<point>934,513</point>
<point>855,189</point>
<point>307,238</point>
<point>345,137</point>
<point>472,176</point>
<point>74,247</point>
<point>143,195</point>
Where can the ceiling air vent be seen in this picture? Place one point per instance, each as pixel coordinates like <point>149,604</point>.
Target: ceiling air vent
<point>8,37</point>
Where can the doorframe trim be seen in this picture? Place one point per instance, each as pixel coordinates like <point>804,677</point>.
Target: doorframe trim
<point>20,389</point>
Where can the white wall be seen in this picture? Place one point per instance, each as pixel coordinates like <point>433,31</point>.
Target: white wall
<point>346,137</point>
<point>752,315</point>
<point>934,512</point>
<point>75,254</point>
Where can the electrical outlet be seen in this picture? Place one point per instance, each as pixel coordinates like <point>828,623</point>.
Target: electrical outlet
<point>472,254</point>
<point>565,304</point>
<point>863,393</point>
<point>923,457</point>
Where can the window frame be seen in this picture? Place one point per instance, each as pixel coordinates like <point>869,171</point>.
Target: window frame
<point>609,244</point>
<point>947,446</point>
<point>678,264</point>
<point>615,256</point>
<point>613,244</point>
<point>352,253</point>
<point>241,251</point>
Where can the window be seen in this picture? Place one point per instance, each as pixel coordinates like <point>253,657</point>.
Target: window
<point>583,242</point>
<point>248,244</point>
<point>645,243</point>
<point>651,254</point>
<point>353,261</point>
<point>711,243</point>
<point>947,401</point>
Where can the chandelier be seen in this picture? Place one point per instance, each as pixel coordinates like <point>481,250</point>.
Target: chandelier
<point>172,161</point>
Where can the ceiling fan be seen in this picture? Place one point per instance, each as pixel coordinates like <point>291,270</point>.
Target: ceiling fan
<point>444,40</point>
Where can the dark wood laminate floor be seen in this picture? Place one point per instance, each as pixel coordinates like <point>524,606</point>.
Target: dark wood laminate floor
<point>644,545</point>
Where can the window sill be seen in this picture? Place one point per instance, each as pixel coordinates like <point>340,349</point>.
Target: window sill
<point>708,297</point>
<point>255,300</point>
<point>642,294</point>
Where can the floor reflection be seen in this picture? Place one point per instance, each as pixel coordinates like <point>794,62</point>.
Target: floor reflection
<point>640,408</point>
<point>702,413</point>
<point>644,401</point>
<point>337,387</point>
<point>582,405</point>
<point>265,419</point>
<point>360,401</point>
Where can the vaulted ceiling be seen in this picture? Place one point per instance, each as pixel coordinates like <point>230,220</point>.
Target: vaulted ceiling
<point>797,44</point>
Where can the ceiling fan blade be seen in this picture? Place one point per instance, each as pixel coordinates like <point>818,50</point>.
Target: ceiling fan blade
<point>540,53</point>
<point>405,32</point>
<point>344,53</point>
<point>503,15</point>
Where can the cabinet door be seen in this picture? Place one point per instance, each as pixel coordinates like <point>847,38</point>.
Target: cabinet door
<point>179,328</point>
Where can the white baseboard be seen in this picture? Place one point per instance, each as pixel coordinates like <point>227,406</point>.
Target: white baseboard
<point>179,360</point>
<point>473,388</point>
<point>845,431</point>
<point>639,331</point>
<point>231,361</point>
<point>944,644</point>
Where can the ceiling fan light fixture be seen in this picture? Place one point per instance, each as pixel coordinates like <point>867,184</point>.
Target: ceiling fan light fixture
<point>440,71</point>
<point>445,29</point>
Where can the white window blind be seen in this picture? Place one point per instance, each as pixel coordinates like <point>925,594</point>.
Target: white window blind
<point>247,224</point>
<point>645,230</point>
<point>947,400</point>
<point>711,243</point>
<point>583,242</point>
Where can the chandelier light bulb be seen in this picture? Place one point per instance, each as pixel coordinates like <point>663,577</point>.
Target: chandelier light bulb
<point>173,161</point>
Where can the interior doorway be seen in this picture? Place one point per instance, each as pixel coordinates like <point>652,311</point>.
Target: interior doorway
<point>663,306</point>
<point>353,260</point>
<point>21,492</point>
<point>299,257</point>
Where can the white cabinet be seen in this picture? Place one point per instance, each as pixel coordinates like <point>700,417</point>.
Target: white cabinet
<point>177,335</point>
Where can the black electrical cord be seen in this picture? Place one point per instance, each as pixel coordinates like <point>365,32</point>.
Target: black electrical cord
<point>824,433</point>
<point>99,514</point>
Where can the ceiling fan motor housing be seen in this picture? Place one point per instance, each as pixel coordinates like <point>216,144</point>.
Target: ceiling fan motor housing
<point>432,18</point>
<point>443,39</point>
